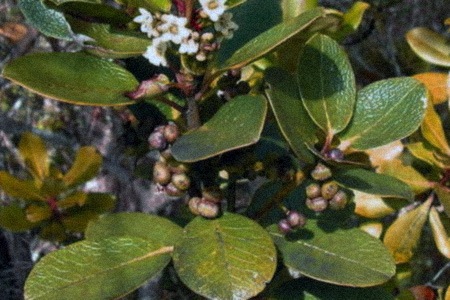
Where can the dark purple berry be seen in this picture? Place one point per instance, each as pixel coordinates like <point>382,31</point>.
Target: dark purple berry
<point>296,219</point>
<point>284,226</point>
<point>317,204</point>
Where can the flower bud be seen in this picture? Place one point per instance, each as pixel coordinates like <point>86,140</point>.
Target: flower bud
<point>317,204</point>
<point>156,140</point>
<point>321,172</point>
<point>329,189</point>
<point>181,181</point>
<point>208,209</point>
<point>161,173</point>
<point>284,226</point>
<point>171,132</point>
<point>339,201</point>
<point>313,190</point>
<point>296,219</point>
<point>335,154</point>
<point>193,205</point>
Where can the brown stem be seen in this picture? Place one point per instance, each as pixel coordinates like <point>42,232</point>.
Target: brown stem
<point>192,114</point>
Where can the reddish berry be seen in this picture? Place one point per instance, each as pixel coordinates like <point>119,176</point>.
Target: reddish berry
<point>208,209</point>
<point>181,181</point>
<point>339,201</point>
<point>156,140</point>
<point>284,226</point>
<point>313,190</point>
<point>317,204</point>
<point>296,219</point>
<point>171,132</point>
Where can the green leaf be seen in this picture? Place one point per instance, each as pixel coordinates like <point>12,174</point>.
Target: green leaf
<point>145,226</point>
<point>373,183</point>
<point>293,120</point>
<point>424,151</point>
<point>439,233</point>
<point>344,257</point>
<point>443,194</point>
<point>268,40</point>
<point>48,21</point>
<point>17,188</point>
<point>233,3</point>
<point>430,46</point>
<point>34,153</point>
<point>96,12</point>
<point>403,235</point>
<point>73,77</point>
<point>351,20</point>
<point>86,166</point>
<point>237,124</point>
<point>103,269</point>
<point>151,5</point>
<point>231,257</point>
<point>327,84</point>
<point>386,111</point>
<point>13,218</point>
<point>293,8</point>
<point>59,2</point>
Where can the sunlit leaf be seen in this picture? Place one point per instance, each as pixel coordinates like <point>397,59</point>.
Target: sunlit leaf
<point>425,152</point>
<point>86,165</point>
<point>104,269</point>
<point>233,3</point>
<point>375,229</point>
<point>38,213</point>
<point>443,194</point>
<point>436,83</point>
<point>293,8</point>
<point>371,206</point>
<point>327,84</point>
<point>433,131</point>
<point>76,199</point>
<point>383,154</point>
<point>429,45</point>
<point>386,111</point>
<point>351,20</point>
<point>17,188</point>
<point>237,124</point>
<point>402,236</point>
<point>34,153</point>
<point>439,233</point>
<point>230,257</point>
<point>76,78</point>
<point>344,257</point>
<point>13,218</point>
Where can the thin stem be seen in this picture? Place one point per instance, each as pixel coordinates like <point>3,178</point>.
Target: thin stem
<point>192,115</point>
<point>169,103</point>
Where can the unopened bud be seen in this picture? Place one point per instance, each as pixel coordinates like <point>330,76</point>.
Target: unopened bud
<point>317,204</point>
<point>321,172</point>
<point>329,189</point>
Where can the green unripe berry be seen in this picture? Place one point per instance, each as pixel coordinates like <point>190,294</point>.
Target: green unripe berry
<point>329,189</point>
<point>161,173</point>
<point>208,209</point>
<point>313,190</point>
<point>181,181</point>
<point>317,204</point>
<point>321,172</point>
<point>339,201</point>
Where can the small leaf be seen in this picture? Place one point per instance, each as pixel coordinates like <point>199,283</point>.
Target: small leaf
<point>439,233</point>
<point>373,183</point>
<point>268,40</point>
<point>351,20</point>
<point>433,131</point>
<point>37,213</point>
<point>104,269</point>
<point>237,124</point>
<point>292,118</point>
<point>76,199</point>
<point>436,83</point>
<point>99,202</point>
<point>443,194</point>
<point>13,218</point>
<point>86,165</point>
<point>371,206</point>
<point>344,257</point>
<point>430,46</point>
<point>145,226</point>
<point>403,235</point>
<point>17,188</point>
<point>48,21</point>
<point>425,152</point>
<point>327,84</point>
<point>78,222</point>
<point>34,153</point>
<point>386,111</point>
<point>231,257</point>
<point>72,77</point>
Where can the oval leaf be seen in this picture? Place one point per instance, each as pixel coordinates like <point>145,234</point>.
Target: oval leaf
<point>17,188</point>
<point>268,40</point>
<point>327,84</point>
<point>373,183</point>
<point>13,218</point>
<point>34,153</point>
<point>237,124</point>
<point>73,77</point>
<point>371,206</point>
<point>231,257</point>
<point>403,235</point>
<point>439,233</point>
<point>48,21</point>
<point>429,45</point>
<point>433,131</point>
<point>443,194</point>
<point>386,110</point>
<point>436,83</point>
<point>140,225</point>
<point>86,165</point>
<point>292,118</point>
<point>344,257</point>
<point>103,269</point>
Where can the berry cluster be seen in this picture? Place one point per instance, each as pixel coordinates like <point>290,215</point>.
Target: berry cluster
<point>324,193</point>
<point>208,205</point>
<point>163,136</point>
<point>293,220</point>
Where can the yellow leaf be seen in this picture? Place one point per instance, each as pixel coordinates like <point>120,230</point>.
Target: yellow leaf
<point>87,164</point>
<point>429,45</point>
<point>439,234</point>
<point>443,194</point>
<point>425,152</point>
<point>402,236</point>
<point>371,206</point>
<point>447,294</point>
<point>432,130</point>
<point>17,188</point>
<point>380,155</point>
<point>373,228</point>
<point>436,83</point>
<point>36,213</point>
<point>34,153</point>
<point>76,199</point>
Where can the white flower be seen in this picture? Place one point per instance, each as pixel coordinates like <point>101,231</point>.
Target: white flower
<point>188,46</point>
<point>146,20</point>
<point>213,8</point>
<point>225,26</point>
<point>173,28</point>
<point>156,52</point>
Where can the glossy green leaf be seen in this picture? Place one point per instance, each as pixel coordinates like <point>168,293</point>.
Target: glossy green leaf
<point>292,118</point>
<point>430,46</point>
<point>433,131</point>
<point>145,226</point>
<point>373,183</point>
<point>443,194</point>
<point>110,43</point>
<point>386,111</point>
<point>237,124</point>
<point>86,166</point>
<point>344,257</point>
<point>73,77</point>
<point>403,235</point>
<point>17,188</point>
<point>439,233</point>
<point>293,8</point>
<point>48,21</point>
<point>34,153</point>
<point>151,5</point>
<point>351,20</point>
<point>327,84</point>
<point>13,218</point>
<point>96,12</point>
<point>230,257</point>
<point>103,269</point>
<point>268,40</point>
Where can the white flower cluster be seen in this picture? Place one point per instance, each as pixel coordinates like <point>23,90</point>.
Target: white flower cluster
<point>164,29</point>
